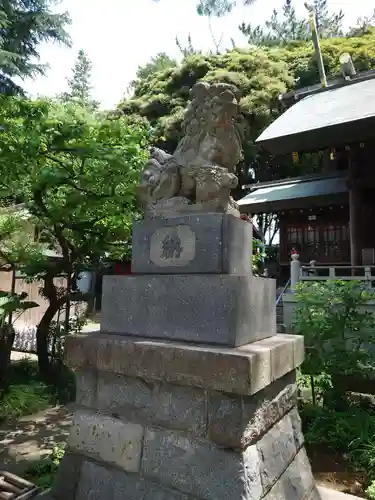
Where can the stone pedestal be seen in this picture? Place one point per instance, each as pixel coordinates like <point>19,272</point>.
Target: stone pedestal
<point>203,290</point>
<point>223,309</point>
<point>169,421</point>
<point>187,393</point>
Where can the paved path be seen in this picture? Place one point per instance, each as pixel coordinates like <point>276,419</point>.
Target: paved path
<point>327,494</point>
<point>30,438</point>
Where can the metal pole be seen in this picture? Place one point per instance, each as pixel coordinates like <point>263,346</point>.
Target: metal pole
<point>315,39</point>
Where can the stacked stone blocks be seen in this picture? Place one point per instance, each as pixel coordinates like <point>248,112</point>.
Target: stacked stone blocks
<point>158,421</point>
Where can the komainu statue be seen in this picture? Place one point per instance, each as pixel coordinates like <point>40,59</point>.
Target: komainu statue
<point>199,176</point>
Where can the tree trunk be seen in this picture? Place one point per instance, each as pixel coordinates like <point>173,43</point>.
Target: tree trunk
<point>42,333</point>
<point>335,398</point>
<point>7,335</point>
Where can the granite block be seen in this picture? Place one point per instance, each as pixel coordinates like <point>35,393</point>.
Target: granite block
<point>239,421</point>
<point>67,478</point>
<point>85,388</point>
<point>107,439</point>
<point>102,483</point>
<point>203,243</point>
<point>297,428</point>
<point>200,469</point>
<point>296,483</point>
<point>211,309</point>
<point>164,405</point>
<point>243,370</point>
<point>277,449</point>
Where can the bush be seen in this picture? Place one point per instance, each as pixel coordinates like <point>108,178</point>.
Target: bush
<point>370,492</point>
<point>338,332</point>
<point>28,393</point>
<point>42,472</point>
<point>349,433</point>
<point>342,432</point>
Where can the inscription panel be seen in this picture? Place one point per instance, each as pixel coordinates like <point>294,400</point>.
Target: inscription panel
<point>204,243</point>
<point>172,246</point>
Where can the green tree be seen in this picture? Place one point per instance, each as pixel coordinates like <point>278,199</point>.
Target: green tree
<point>157,63</point>
<point>338,332</point>
<point>364,26</point>
<point>215,8</point>
<point>285,27</point>
<point>261,75</point>
<point>76,173</point>
<point>80,83</point>
<point>16,248</point>
<point>218,8</point>
<point>328,25</point>
<point>278,29</point>
<point>24,25</point>
<point>188,49</point>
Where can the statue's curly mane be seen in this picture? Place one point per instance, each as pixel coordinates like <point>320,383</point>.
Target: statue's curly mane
<point>210,127</point>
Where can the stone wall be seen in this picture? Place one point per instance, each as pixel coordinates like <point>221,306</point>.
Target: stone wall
<point>174,422</point>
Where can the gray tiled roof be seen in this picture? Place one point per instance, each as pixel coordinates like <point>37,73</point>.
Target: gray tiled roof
<point>322,115</point>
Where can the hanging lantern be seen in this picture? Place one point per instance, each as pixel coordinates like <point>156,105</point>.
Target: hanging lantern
<point>332,154</point>
<point>295,157</point>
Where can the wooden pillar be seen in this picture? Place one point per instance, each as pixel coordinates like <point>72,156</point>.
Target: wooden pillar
<point>354,216</point>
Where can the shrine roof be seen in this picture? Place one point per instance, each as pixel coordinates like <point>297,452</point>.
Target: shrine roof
<point>330,117</point>
<point>295,193</point>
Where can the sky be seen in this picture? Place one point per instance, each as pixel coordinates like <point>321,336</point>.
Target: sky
<point>120,35</point>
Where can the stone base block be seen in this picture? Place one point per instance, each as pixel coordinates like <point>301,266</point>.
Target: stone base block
<point>202,243</point>
<point>211,309</point>
<point>168,421</point>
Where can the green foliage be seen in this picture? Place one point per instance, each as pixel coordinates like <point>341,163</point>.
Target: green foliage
<point>13,305</point>
<point>17,242</point>
<point>343,432</point>
<point>338,331</point>
<point>76,173</point>
<point>259,255</point>
<point>80,83</point>
<point>339,339</point>
<point>24,25</point>
<point>261,75</point>
<point>162,97</point>
<point>188,49</point>
<point>364,26</point>
<point>278,29</point>
<point>370,492</point>
<point>300,59</point>
<point>42,472</point>
<point>160,62</point>
<point>328,25</point>
<point>29,394</point>
<point>287,27</point>
<point>58,332</point>
<point>217,8</point>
